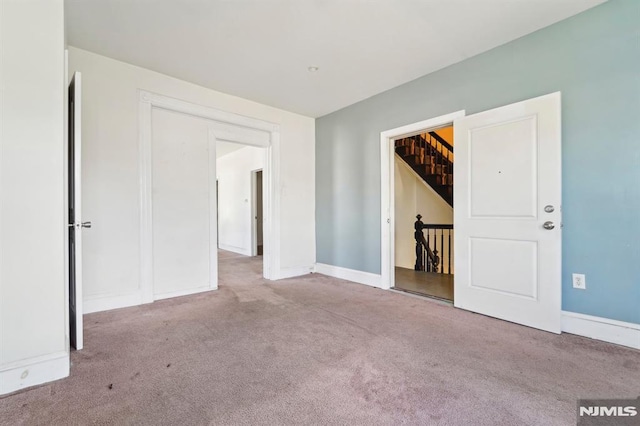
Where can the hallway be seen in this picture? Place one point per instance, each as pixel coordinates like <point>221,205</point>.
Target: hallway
<point>318,350</point>
<point>425,283</point>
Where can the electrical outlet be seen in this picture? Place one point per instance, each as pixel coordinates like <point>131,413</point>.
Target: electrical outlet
<point>579,281</point>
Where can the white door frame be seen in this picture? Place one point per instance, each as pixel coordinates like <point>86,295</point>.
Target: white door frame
<point>228,127</point>
<point>387,189</point>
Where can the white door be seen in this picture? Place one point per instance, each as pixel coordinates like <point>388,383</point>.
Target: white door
<point>183,205</point>
<point>507,213</point>
<point>75,223</point>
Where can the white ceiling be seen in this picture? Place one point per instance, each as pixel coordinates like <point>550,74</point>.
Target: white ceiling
<point>261,49</point>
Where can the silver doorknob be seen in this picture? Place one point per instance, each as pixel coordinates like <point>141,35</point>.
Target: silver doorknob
<point>548,225</point>
<point>85,225</point>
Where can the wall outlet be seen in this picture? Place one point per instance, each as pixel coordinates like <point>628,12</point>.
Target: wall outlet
<point>579,281</point>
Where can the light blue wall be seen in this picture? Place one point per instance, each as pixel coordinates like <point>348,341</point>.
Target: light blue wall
<point>594,60</point>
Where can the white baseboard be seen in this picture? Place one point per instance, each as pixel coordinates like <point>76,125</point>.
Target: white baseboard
<point>179,293</point>
<point>293,272</point>
<point>612,331</point>
<point>33,371</point>
<point>106,303</point>
<point>234,249</point>
<point>360,277</point>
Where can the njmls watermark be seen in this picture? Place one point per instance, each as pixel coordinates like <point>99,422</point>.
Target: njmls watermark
<point>609,412</point>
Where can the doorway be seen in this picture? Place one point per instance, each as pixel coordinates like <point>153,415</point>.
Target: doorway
<point>507,210</point>
<point>221,126</point>
<point>388,209</point>
<point>241,200</point>
<point>257,198</point>
<point>423,180</point>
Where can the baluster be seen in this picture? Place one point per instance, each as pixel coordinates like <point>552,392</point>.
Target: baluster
<point>428,263</point>
<point>442,251</point>
<point>441,163</point>
<point>439,167</point>
<point>434,155</point>
<point>449,256</point>
<point>425,255</point>
<point>426,135</point>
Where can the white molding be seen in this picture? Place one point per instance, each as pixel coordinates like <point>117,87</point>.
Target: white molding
<point>225,126</point>
<point>387,189</point>
<point>607,330</point>
<point>33,371</point>
<point>213,211</point>
<point>295,271</point>
<point>146,191</point>
<point>239,250</point>
<point>108,302</point>
<point>189,108</point>
<point>180,293</point>
<point>359,277</point>
<point>271,248</point>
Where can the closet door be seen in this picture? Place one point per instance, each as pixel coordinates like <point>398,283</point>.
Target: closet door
<point>184,222</point>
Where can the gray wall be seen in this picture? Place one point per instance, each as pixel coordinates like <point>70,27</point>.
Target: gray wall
<point>594,60</point>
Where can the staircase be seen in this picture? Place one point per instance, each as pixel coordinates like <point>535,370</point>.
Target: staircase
<point>431,157</point>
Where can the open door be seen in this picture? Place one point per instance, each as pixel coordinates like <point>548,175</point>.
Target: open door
<point>75,214</point>
<point>507,213</point>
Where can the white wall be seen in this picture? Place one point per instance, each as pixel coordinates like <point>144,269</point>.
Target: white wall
<point>413,196</point>
<point>235,197</point>
<point>111,176</point>
<point>33,319</point>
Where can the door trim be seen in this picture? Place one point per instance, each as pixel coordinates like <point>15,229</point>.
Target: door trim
<point>228,127</point>
<point>387,189</point>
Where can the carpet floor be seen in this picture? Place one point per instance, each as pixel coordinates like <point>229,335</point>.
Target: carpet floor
<point>318,350</point>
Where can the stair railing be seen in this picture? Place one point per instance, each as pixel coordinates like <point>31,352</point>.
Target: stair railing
<point>433,252</point>
<point>431,157</point>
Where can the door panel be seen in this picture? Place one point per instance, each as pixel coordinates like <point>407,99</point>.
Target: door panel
<point>503,185</point>
<point>517,274</point>
<point>75,212</point>
<point>508,169</point>
<point>184,221</point>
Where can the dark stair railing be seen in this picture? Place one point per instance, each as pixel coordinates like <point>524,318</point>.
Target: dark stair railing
<point>432,255</point>
<point>431,157</point>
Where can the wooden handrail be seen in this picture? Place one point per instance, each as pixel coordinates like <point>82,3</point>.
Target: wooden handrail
<point>436,226</point>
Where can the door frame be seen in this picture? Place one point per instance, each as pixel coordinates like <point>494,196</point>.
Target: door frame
<point>227,127</point>
<point>387,189</point>
<point>254,211</point>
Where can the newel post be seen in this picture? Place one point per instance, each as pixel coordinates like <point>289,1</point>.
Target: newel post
<point>419,236</point>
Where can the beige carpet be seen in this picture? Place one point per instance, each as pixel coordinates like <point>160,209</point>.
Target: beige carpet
<point>317,350</point>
